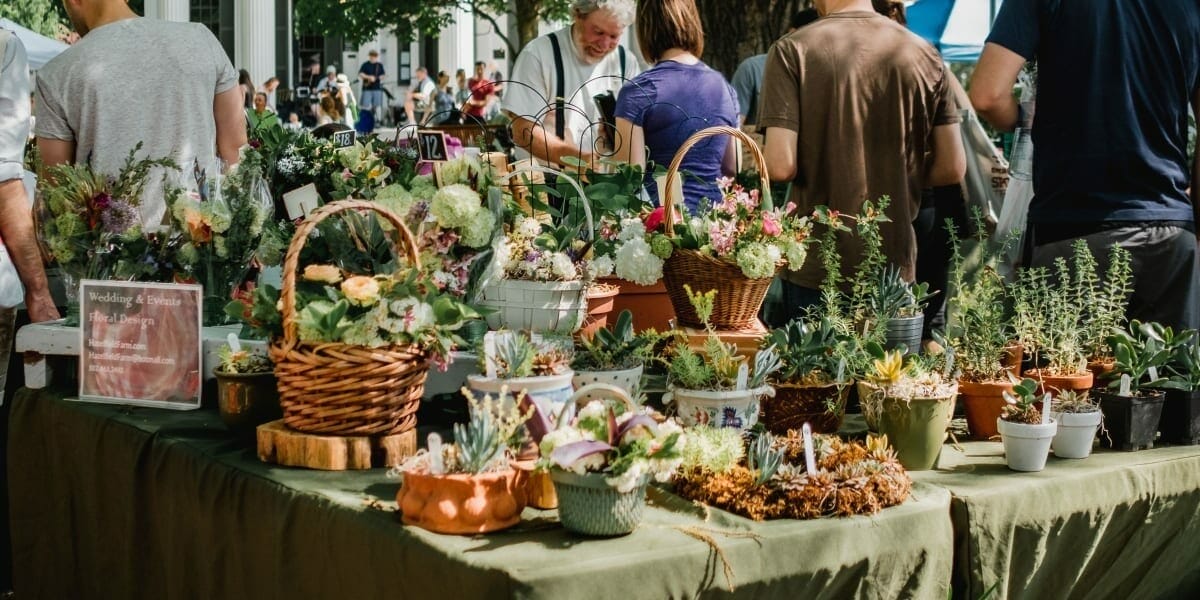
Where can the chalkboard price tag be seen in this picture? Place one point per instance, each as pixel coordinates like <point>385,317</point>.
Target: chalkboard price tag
<point>343,139</point>
<point>432,146</point>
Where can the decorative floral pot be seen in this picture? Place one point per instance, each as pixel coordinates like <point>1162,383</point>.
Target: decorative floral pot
<point>1080,382</point>
<point>906,331</point>
<point>550,392</point>
<point>1180,421</point>
<point>650,304</point>
<point>626,379</point>
<point>1131,421</point>
<point>600,300</point>
<point>915,427</point>
<point>794,405</point>
<point>1026,446</point>
<point>549,306</point>
<point>732,408</point>
<point>982,403</point>
<point>247,400</point>
<point>462,503</point>
<point>588,505</point>
<point>1076,432</point>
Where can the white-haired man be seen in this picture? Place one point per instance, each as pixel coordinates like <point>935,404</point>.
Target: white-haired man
<point>550,94</point>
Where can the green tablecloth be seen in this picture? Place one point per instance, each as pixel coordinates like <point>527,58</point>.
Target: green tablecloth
<point>1114,525</point>
<point>114,502</point>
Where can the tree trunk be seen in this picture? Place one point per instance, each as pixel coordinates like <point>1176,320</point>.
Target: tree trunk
<point>526,13</point>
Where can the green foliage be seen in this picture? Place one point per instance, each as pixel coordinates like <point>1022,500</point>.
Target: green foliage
<point>613,349</point>
<point>763,459</point>
<point>1184,365</point>
<point>977,312</point>
<point>1074,401</point>
<point>518,355</point>
<point>713,449</point>
<point>479,442</point>
<point>1138,349</point>
<point>1107,300</point>
<point>811,350</point>
<point>242,361</point>
<point>39,15</point>
<point>893,297</point>
<point>689,370</point>
<point>1020,403</point>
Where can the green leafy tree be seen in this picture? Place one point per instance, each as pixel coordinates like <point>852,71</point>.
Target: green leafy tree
<point>39,15</point>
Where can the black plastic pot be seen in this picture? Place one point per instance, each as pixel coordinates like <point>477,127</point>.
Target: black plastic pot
<point>1131,421</point>
<point>907,331</point>
<point>1180,421</point>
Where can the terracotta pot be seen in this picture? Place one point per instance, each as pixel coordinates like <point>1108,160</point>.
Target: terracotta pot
<point>1013,353</point>
<point>650,304</point>
<point>1080,382</point>
<point>463,503</point>
<point>600,301</point>
<point>247,400</point>
<point>539,488</point>
<point>795,405</point>
<point>1101,368</point>
<point>983,403</point>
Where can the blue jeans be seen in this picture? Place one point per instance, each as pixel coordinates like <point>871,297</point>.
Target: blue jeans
<point>371,100</point>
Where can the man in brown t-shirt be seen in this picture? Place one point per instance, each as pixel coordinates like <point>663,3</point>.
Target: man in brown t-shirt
<point>856,107</point>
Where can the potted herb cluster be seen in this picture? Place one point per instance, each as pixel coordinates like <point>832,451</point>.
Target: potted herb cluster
<point>812,383</point>
<point>1026,433</point>
<point>1047,324</point>
<point>1078,418</point>
<point>1131,404</point>
<point>469,486</point>
<point>611,356</point>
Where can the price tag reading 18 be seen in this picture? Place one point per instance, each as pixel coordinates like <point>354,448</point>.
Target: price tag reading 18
<point>343,139</point>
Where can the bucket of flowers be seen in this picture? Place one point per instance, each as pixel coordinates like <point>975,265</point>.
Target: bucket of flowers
<point>351,351</point>
<point>736,247</point>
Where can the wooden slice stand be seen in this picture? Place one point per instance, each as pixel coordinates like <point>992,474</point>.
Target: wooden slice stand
<point>282,446</point>
<point>746,340</point>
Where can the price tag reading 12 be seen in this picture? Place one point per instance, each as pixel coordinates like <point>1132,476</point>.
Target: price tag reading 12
<point>432,146</point>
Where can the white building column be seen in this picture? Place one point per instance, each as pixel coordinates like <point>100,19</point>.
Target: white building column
<point>254,39</point>
<point>456,45</point>
<point>169,10</point>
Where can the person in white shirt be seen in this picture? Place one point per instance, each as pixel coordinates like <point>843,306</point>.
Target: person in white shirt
<point>420,97</point>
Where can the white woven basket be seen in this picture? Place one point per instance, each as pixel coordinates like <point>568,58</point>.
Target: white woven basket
<point>542,306</point>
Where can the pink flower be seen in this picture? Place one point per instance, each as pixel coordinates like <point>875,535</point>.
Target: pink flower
<point>771,224</point>
<point>724,183</point>
<point>346,174</point>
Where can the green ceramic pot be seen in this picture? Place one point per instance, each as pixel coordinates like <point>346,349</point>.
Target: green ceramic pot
<point>247,400</point>
<point>588,505</point>
<point>916,428</point>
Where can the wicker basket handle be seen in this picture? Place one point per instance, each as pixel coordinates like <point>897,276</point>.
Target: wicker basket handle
<point>290,264</point>
<point>668,200</point>
<point>608,389</point>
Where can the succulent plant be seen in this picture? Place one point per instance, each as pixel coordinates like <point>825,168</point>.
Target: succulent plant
<point>609,350</point>
<point>763,458</point>
<point>1019,407</point>
<point>893,297</point>
<point>479,441</point>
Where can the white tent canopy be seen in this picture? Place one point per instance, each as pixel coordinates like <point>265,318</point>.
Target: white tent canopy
<point>39,48</point>
<point>957,28</point>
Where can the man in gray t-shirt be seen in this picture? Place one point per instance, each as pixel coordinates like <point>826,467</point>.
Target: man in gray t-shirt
<point>128,80</point>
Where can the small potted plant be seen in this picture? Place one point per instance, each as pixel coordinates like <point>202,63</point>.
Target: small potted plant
<point>1024,431</point>
<point>525,364</point>
<point>601,460</point>
<point>1180,421</point>
<point>812,383</point>
<point>1131,405</point>
<point>246,392</point>
<point>714,386</point>
<point>1078,418</point>
<point>910,400</point>
<point>1103,303</point>
<point>613,357</point>
<point>899,306</point>
<point>1047,323</point>
<point>469,486</point>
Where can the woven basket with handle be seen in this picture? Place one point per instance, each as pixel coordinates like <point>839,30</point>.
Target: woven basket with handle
<point>738,297</point>
<point>342,389</point>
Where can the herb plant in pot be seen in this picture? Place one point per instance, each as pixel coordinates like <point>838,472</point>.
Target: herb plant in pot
<point>613,357</point>
<point>1024,431</point>
<point>1102,303</point>
<point>1180,421</point>
<point>1078,418</point>
<point>1131,406</point>
<point>469,486</point>
<point>812,383</point>
<point>246,392</point>
<point>714,386</point>
<point>1047,323</point>
<point>602,459</point>
<point>911,402</point>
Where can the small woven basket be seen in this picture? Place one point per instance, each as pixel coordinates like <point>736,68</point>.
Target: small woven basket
<point>738,297</point>
<point>342,389</point>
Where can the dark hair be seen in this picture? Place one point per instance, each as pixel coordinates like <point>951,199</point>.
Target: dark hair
<point>263,94</point>
<point>480,63</point>
<point>244,78</point>
<point>666,24</point>
<point>804,17</point>
<point>892,9</point>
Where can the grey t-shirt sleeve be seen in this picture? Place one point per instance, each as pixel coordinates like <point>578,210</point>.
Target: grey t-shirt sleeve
<point>743,84</point>
<point>226,76</point>
<point>14,108</point>
<point>49,109</point>
<point>527,94</point>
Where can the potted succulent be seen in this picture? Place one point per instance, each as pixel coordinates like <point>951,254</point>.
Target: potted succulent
<point>1078,418</point>
<point>614,357</point>
<point>601,459</point>
<point>1023,429</point>
<point>1047,324</point>
<point>714,386</point>
<point>1180,421</point>
<point>525,364</point>
<point>812,383</point>
<point>899,306</point>
<point>246,392</point>
<point>979,329</point>
<point>469,486</point>
<point>1131,406</point>
<point>910,401</point>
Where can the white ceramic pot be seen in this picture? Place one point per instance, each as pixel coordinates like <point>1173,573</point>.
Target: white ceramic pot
<point>1076,432</point>
<point>549,392</point>
<point>736,409</point>
<point>1026,446</point>
<point>550,306</point>
<point>626,379</point>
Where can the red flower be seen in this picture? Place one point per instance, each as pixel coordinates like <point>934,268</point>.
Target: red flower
<point>654,220</point>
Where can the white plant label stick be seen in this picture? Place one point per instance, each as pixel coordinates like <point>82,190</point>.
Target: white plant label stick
<point>810,461</point>
<point>234,344</point>
<point>1125,382</point>
<point>434,445</point>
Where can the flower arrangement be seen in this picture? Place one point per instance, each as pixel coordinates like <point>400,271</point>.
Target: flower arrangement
<point>536,251</point>
<point>242,361</point>
<point>362,171</point>
<point>739,229</point>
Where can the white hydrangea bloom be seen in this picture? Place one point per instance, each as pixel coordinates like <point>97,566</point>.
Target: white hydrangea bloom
<point>634,262</point>
<point>631,229</point>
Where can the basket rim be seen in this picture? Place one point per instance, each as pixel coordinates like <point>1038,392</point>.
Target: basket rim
<point>677,161</point>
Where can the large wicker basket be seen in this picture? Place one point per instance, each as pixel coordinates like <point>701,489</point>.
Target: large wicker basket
<point>341,389</point>
<point>738,297</point>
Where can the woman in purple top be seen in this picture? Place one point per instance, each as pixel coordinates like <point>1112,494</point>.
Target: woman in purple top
<point>663,106</point>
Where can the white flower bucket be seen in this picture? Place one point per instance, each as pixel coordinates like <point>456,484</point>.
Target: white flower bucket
<point>549,392</point>
<point>730,408</point>
<point>1076,432</point>
<point>1026,446</point>
<point>543,306</point>
<point>626,379</point>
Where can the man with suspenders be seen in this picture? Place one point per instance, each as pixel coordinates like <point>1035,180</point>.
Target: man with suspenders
<point>550,96</point>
